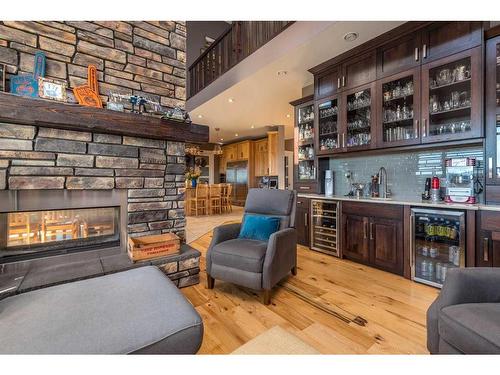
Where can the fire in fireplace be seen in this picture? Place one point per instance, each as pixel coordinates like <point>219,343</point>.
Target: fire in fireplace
<point>58,223</point>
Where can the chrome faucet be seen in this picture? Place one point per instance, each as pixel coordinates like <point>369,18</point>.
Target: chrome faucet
<point>382,180</point>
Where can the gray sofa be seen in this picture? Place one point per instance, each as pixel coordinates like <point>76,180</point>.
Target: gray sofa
<point>256,264</point>
<point>465,318</point>
<point>138,311</point>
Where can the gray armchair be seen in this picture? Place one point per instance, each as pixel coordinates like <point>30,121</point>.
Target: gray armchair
<point>465,318</point>
<point>256,264</point>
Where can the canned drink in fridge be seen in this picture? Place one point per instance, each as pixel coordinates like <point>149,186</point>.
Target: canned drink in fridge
<point>425,251</point>
<point>439,271</point>
<point>434,252</point>
<point>444,271</point>
<point>454,255</point>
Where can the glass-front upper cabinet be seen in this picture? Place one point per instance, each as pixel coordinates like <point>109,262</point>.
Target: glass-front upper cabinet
<point>305,135</point>
<point>328,126</point>
<point>358,117</point>
<point>492,111</point>
<point>400,109</point>
<point>451,97</point>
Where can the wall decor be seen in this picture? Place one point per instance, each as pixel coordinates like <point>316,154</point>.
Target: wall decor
<point>88,95</point>
<point>26,84</point>
<point>51,89</point>
<point>2,77</point>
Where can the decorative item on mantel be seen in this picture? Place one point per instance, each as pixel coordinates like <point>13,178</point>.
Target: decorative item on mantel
<point>26,84</point>
<point>135,100</point>
<point>88,95</point>
<point>2,77</point>
<point>192,175</point>
<point>51,89</point>
<point>177,114</point>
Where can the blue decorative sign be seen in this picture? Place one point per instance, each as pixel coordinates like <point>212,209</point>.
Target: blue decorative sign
<point>27,85</point>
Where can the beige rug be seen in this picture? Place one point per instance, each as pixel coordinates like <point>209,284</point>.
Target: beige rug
<point>276,341</point>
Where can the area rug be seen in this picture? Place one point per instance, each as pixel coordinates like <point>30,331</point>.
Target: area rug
<point>276,341</point>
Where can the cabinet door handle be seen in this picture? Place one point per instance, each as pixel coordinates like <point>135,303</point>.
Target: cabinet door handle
<point>343,140</point>
<point>412,243</point>
<point>490,167</point>
<point>424,125</point>
<point>416,53</point>
<point>417,126</point>
<point>365,230</point>
<point>424,52</point>
<point>338,83</point>
<point>485,249</point>
<point>306,219</point>
<point>371,231</point>
<point>304,187</point>
<point>343,81</point>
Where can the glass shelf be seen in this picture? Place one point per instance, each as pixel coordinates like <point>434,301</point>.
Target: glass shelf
<point>359,119</point>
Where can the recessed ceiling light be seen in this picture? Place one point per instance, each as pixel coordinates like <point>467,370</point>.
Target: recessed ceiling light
<point>281,73</point>
<point>222,139</point>
<point>252,127</point>
<point>236,134</point>
<point>288,115</point>
<point>230,100</point>
<point>200,116</point>
<point>351,37</point>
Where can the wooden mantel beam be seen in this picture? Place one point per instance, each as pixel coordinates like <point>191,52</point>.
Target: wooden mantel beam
<point>22,110</point>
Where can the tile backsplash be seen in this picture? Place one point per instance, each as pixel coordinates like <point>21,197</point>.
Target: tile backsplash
<point>406,171</point>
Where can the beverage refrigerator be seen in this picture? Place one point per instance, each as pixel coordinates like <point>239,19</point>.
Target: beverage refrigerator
<point>324,226</point>
<point>437,244</point>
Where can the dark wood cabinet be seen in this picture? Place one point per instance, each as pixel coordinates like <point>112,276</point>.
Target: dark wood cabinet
<point>302,221</point>
<point>492,101</point>
<point>488,239</point>
<point>400,55</point>
<point>355,238</point>
<point>452,97</point>
<point>358,71</point>
<point>442,39</point>
<point>374,237</point>
<point>329,134</point>
<point>398,101</point>
<point>328,83</point>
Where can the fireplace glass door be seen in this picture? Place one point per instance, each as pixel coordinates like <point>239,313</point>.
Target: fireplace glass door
<point>30,232</point>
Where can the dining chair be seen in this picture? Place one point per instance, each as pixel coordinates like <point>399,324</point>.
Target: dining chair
<point>200,201</point>
<point>215,198</point>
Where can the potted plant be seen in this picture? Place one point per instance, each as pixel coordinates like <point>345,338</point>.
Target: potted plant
<point>192,175</point>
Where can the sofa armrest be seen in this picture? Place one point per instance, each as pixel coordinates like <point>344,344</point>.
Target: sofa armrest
<point>220,234</point>
<point>281,256</point>
<point>465,285</point>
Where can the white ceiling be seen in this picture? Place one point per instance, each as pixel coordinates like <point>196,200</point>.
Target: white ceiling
<point>260,96</point>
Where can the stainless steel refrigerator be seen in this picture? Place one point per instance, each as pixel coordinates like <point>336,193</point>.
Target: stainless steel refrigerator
<point>437,244</point>
<point>237,175</point>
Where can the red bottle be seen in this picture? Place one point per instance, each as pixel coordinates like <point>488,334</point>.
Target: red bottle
<point>435,183</point>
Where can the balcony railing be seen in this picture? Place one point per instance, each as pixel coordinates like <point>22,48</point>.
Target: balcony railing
<point>239,41</point>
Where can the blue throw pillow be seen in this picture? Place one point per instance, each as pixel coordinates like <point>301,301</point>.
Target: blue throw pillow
<point>258,227</point>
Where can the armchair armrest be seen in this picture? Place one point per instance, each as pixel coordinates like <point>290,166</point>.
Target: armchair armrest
<point>281,256</point>
<point>222,233</point>
<point>467,285</point>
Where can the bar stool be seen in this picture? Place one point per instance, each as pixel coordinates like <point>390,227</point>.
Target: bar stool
<point>215,200</point>
<point>200,201</point>
<point>226,201</point>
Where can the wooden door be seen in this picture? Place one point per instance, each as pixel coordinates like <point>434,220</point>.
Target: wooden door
<point>243,151</point>
<point>355,234</point>
<point>445,118</point>
<point>358,118</point>
<point>327,83</point>
<point>302,221</point>
<point>359,71</point>
<point>386,244</point>
<point>272,151</point>
<point>492,102</point>
<point>398,109</point>
<point>230,152</point>
<point>400,55</point>
<point>442,39</point>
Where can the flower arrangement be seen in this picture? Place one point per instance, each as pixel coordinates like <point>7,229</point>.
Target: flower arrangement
<point>192,175</point>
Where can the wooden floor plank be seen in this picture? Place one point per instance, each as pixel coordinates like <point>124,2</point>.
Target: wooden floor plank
<point>334,305</point>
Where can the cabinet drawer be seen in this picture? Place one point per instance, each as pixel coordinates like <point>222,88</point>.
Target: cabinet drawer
<point>303,202</point>
<point>389,211</point>
<point>490,220</point>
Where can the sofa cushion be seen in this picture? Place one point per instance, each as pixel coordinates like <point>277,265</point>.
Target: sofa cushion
<point>136,311</point>
<point>472,328</point>
<point>243,254</point>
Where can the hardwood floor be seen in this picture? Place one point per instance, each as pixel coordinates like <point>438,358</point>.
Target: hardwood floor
<point>336,306</point>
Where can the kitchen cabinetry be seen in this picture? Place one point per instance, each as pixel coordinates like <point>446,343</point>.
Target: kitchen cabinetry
<point>329,134</point>
<point>399,55</point>
<point>261,158</point>
<point>328,83</point>
<point>373,235</point>
<point>452,97</point>
<point>272,140</point>
<point>488,239</point>
<point>358,71</point>
<point>302,221</point>
<point>243,150</point>
<point>492,100</point>
<point>229,153</point>
<point>305,161</point>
